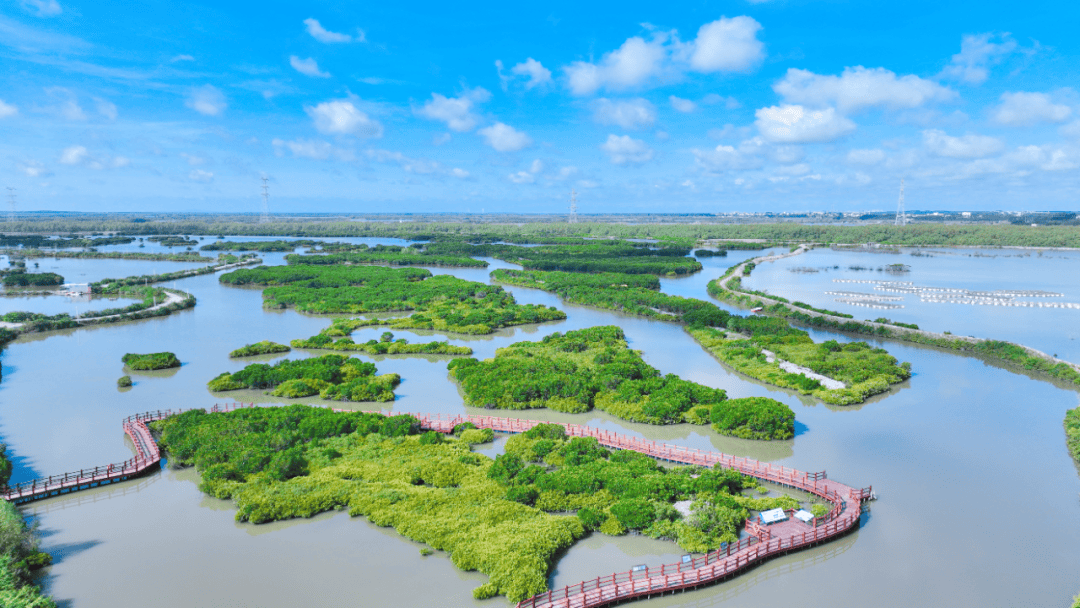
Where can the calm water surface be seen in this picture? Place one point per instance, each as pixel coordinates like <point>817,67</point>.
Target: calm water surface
<point>962,456</point>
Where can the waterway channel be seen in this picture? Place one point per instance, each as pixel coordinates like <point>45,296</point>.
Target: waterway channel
<point>968,460</point>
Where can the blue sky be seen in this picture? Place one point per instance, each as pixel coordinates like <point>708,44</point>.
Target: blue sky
<point>780,105</point>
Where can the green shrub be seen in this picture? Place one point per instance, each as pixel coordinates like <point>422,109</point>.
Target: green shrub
<point>150,361</point>
<point>124,382</point>
<point>265,347</point>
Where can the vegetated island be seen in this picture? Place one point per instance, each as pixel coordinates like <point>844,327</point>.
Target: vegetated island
<point>729,288</point>
<point>108,255</point>
<point>124,382</point>
<point>265,347</point>
<point>19,554</point>
<point>442,303</point>
<point>595,368</point>
<point>151,361</point>
<point>298,461</point>
<point>664,259</point>
<point>36,279</point>
<point>385,345</point>
<point>334,377</point>
<point>764,348</point>
<point>393,255</point>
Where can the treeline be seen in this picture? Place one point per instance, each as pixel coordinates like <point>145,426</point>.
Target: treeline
<point>388,254</point>
<point>626,293</point>
<point>913,234</point>
<point>588,256</point>
<point>261,246</point>
<point>595,368</point>
<point>1072,433</point>
<point>387,345</point>
<point>36,241</point>
<point>26,279</point>
<point>443,302</point>
<point>19,554</point>
<point>109,255</point>
<point>108,286</point>
<point>334,377</point>
<point>265,347</point>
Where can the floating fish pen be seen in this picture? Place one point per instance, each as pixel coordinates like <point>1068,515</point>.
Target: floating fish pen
<point>999,302</point>
<point>858,295</point>
<point>876,282</point>
<point>869,303</point>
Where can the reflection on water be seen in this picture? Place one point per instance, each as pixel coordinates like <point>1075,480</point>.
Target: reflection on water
<point>942,451</point>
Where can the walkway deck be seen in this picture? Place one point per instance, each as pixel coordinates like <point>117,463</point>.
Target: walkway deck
<point>763,543</point>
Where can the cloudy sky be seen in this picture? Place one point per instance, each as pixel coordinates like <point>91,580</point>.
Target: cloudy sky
<point>641,107</point>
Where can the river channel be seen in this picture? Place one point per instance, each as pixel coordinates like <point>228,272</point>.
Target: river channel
<point>977,494</point>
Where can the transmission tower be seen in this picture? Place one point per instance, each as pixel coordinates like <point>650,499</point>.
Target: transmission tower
<point>573,206</point>
<point>901,217</point>
<point>266,202</point>
<point>11,206</point>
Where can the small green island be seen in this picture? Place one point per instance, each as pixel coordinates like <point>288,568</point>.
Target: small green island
<point>151,361</point>
<point>595,368</point>
<point>336,337</point>
<point>124,382</point>
<point>525,507</point>
<point>334,377</point>
<point>265,347</point>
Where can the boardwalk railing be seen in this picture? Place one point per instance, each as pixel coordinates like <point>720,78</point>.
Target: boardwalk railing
<point>763,542</point>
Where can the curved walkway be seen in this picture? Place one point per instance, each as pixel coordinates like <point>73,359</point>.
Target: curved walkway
<point>762,543</point>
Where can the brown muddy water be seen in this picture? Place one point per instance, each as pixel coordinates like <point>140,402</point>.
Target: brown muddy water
<point>977,494</point>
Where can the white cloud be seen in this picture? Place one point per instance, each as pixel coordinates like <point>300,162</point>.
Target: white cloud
<point>418,166</point>
<point>567,172</point>
<point>795,124</point>
<point>630,65</point>
<point>629,114</point>
<point>727,45</point>
<point>682,105</point>
<point>73,155</point>
<point>522,177</point>
<point>626,150</point>
<point>968,146</point>
<point>198,175</point>
<point>977,53</point>
<point>67,105</point>
<point>33,168</point>
<point>456,112</point>
<point>865,157</point>
<point>441,138</point>
<point>458,172</point>
<point>196,161</point>
<point>341,117</point>
<point>182,58</point>
<point>729,102</point>
<point>859,88</point>
<point>1024,109</point>
<point>537,166</point>
<point>43,8</point>
<point>788,154</point>
<point>728,158</point>
<point>723,45</point>
<point>307,67</point>
<point>315,149</point>
<point>106,108</point>
<point>318,32</point>
<point>7,109</point>
<point>536,73</point>
<point>207,100</point>
<point>505,138</point>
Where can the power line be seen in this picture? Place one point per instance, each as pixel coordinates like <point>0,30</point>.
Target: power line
<point>901,217</point>
<point>265,202</point>
<point>573,206</point>
<point>11,206</point>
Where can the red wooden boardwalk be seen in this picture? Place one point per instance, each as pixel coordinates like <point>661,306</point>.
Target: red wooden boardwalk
<point>764,541</point>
